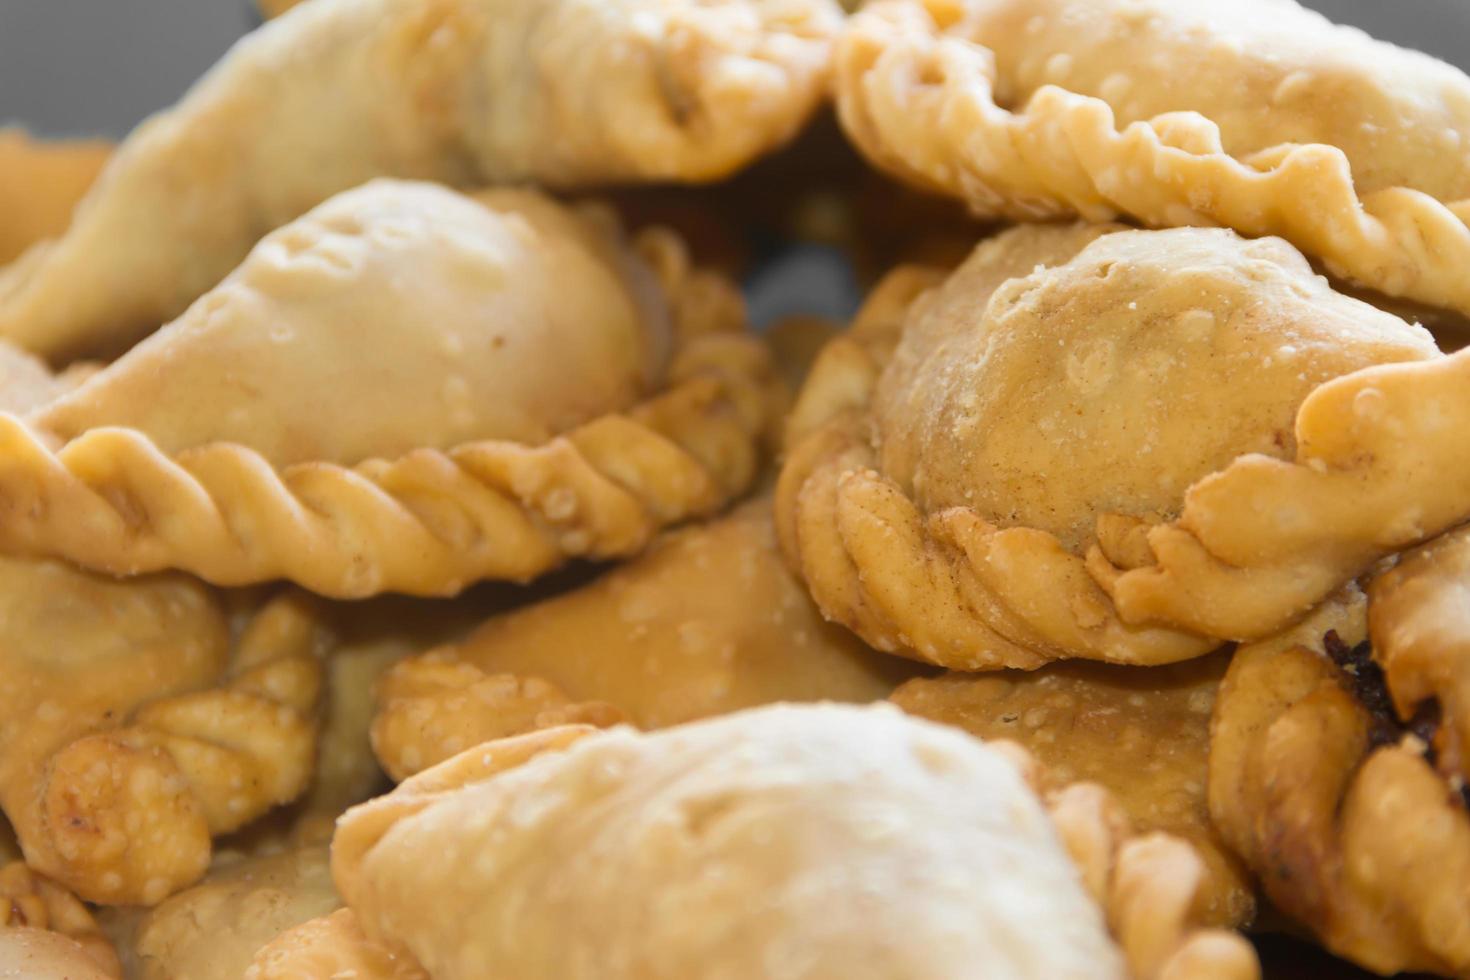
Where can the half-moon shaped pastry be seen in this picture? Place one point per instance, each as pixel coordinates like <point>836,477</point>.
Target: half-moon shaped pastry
<point>1258,115</point>
<point>405,390</point>
<point>1143,734</point>
<point>1335,802</point>
<point>959,474</point>
<point>800,841</point>
<point>706,622</point>
<point>463,92</point>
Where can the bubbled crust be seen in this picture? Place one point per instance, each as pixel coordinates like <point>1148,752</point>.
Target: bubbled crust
<point>777,799</point>
<point>1259,116</point>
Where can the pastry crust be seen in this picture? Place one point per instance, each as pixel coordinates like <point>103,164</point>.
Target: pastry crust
<point>816,811</point>
<point>30,900</point>
<point>1333,803</point>
<point>149,736</point>
<point>27,952</point>
<point>1260,116</point>
<point>924,512</point>
<point>463,92</point>
<point>707,622</point>
<point>504,436</point>
<point>1080,719</point>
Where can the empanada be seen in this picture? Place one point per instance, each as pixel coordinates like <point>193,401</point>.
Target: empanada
<point>799,841</point>
<point>1333,803</point>
<point>405,390</point>
<point>1142,733</point>
<point>133,729</point>
<point>708,621</point>
<point>464,92</point>
<point>213,930</point>
<point>960,478</point>
<point>30,901</point>
<point>27,953</point>
<point>41,181</point>
<point>1258,115</point>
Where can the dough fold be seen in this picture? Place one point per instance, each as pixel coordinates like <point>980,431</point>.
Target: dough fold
<point>1257,115</point>
<point>463,92</point>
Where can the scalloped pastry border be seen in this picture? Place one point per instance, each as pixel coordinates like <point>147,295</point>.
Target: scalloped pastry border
<point>920,104</point>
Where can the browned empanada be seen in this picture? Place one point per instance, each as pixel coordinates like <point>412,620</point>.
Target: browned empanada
<point>814,841</point>
<point>463,92</point>
<point>133,729</point>
<point>405,390</point>
<point>996,480</point>
<point>708,621</point>
<point>30,901</point>
<point>1142,733</point>
<point>1258,115</point>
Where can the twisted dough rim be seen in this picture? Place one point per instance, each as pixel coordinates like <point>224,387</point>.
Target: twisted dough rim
<point>948,588</point>
<point>1380,466</point>
<point>427,523</point>
<point>900,80</point>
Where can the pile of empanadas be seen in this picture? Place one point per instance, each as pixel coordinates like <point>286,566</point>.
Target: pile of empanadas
<point>415,563</point>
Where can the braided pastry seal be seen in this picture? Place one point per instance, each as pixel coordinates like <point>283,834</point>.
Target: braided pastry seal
<point>133,734</point>
<point>548,398</point>
<point>1257,115</point>
<point>954,477</point>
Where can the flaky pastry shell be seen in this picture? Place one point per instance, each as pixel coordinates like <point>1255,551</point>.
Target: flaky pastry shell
<point>1257,115</point>
<point>553,392</point>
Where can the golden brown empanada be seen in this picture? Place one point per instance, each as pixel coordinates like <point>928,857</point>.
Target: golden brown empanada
<point>1142,733</point>
<point>464,92</point>
<point>1331,800</point>
<point>959,483</point>
<point>405,390</point>
<point>708,621</point>
<point>27,953</point>
<point>1258,115</point>
<point>133,729</point>
<point>812,841</point>
<point>40,183</point>
<point>212,930</point>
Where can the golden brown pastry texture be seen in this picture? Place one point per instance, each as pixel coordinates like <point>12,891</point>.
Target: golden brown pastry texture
<point>134,730</point>
<point>961,482</point>
<point>707,622</point>
<point>1258,115</point>
<point>550,394</point>
<point>464,92</point>
<point>30,901</point>
<point>1141,733</point>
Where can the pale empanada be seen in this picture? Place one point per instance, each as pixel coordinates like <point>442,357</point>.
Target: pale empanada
<point>133,729</point>
<point>708,621</point>
<point>27,953</point>
<point>465,92</point>
<point>1081,720</point>
<point>1332,802</point>
<point>790,841</point>
<point>41,182</point>
<point>952,480</point>
<point>1258,115</point>
<point>405,390</point>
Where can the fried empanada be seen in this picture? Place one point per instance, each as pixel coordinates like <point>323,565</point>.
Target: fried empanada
<point>956,477</point>
<point>1332,802</point>
<point>133,729</point>
<point>30,901</point>
<point>804,841</point>
<point>39,954</point>
<point>405,390</point>
<point>464,92</point>
<point>708,621</point>
<point>213,930</point>
<point>1142,733</point>
<point>1258,115</point>
<point>41,182</point>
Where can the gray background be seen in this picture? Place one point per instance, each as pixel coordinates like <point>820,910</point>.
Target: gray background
<point>97,67</point>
